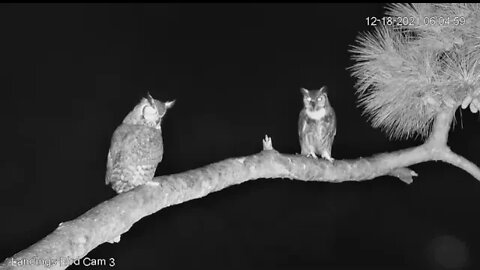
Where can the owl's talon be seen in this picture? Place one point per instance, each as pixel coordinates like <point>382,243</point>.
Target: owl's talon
<point>328,157</point>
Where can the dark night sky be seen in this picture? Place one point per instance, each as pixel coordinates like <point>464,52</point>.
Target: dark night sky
<point>70,73</point>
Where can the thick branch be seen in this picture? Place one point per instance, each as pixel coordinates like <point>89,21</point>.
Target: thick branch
<point>450,157</point>
<point>107,221</point>
<point>441,127</point>
<point>437,143</point>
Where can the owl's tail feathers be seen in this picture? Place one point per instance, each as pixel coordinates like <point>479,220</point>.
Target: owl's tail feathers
<point>122,186</point>
<point>119,184</point>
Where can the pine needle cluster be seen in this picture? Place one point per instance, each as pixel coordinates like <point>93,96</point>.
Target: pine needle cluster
<point>407,73</point>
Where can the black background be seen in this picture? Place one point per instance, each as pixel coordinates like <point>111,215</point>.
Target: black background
<point>70,73</point>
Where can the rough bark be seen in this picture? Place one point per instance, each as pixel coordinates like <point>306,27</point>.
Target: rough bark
<point>107,221</point>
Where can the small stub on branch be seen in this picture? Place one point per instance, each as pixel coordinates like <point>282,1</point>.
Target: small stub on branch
<point>115,240</point>
<point>267,143</point>
<point>404,174</point>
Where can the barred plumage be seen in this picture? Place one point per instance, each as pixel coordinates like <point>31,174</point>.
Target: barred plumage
<point>317,124</point>
<point>136,146</point>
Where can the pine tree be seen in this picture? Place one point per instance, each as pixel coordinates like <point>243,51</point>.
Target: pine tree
<point>422,65</point>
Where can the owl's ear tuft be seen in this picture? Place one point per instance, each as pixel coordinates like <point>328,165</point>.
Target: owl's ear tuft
<point>304,91</point>
<point>169,104</point>
<point>150,98</point>
<point>324,89</point>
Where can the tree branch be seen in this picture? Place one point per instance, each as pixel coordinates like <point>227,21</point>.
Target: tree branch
<point>107,221</point>
<point>437,144</point>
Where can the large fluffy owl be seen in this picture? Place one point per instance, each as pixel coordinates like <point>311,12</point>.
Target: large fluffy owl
<point>317,124</point>
<point>137,147</point>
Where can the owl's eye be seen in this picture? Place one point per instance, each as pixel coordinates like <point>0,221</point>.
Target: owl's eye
<point>320,98</point>
<point>308,99</point>
<point>150,113</point>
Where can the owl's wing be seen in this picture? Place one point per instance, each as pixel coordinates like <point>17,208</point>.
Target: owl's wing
<point>334,124</point>
<point>116,148</point>
<point>331,130</point>
<point>119,152</point>
<point>137,143</point>
<point>149,145</point>
<point>134,144</point>
<point>302,124</point>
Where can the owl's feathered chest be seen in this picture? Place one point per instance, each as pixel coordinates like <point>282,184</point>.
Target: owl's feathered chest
<point>322,117</point>
<point>316,130</point>
<point>316,115</point>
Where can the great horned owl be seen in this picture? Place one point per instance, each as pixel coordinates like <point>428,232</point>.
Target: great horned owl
<point>317,124</point>
<point>137,147</point>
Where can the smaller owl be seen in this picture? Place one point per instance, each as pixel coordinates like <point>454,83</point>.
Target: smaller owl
<point>317,124</point>
<point>137,146</point>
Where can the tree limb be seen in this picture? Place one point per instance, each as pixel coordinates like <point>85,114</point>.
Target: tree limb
<point>107,221</point>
